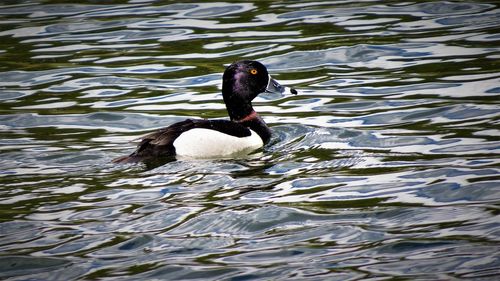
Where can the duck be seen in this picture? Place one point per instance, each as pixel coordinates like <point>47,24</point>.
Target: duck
<point>243,133</point>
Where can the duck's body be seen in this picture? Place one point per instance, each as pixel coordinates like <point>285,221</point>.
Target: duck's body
<point>245,132</point>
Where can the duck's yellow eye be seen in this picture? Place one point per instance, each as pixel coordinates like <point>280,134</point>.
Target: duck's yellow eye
<point>253,71</point>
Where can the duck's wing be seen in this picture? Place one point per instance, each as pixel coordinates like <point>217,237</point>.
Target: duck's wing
<point>160,144</point>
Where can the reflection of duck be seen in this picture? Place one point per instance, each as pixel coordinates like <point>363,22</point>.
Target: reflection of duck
<point>246,131</point>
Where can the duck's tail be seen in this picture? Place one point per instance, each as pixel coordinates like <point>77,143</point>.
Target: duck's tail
<point>131,159</point>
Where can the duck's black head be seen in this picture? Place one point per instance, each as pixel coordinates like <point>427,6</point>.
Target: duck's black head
<point>241,83</point>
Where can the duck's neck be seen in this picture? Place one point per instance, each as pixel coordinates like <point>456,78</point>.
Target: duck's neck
<point>240,110</point>
<point>237,107</point>
<point>249,117</point>
<point>257,124</point>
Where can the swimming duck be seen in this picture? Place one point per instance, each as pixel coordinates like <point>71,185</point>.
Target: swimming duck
<point>245,132</point>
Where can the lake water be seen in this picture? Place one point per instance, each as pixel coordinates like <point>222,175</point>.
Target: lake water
<point>384,167</point>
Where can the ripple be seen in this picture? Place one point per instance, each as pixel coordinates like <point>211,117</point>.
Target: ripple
<point>133,83</point>
<point>34,78</point>
<point>241,224</point>
<point>50,30</point>
<point>199,10</point>
<point>14,94</point>
<point>46,10</point>
<point>52,105</point>
<point>444,264</point>
<point>18,265</point>
<point>80,245</point>
<point>120,36</point>
<point>380,56</point>
<point>18,231</point>
<point>93,121</point>
<point>81,47</point>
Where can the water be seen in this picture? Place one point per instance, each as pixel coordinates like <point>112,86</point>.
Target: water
<point>384,167</point>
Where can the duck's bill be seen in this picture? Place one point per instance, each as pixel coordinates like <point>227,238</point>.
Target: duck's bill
<point>274,87</point>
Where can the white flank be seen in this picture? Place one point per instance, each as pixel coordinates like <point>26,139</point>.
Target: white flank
<point>206,143</point>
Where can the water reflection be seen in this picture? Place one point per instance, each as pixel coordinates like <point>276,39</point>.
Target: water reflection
<point>385,165</point>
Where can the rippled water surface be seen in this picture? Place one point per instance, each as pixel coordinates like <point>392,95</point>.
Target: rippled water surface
<point>384,167</point>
